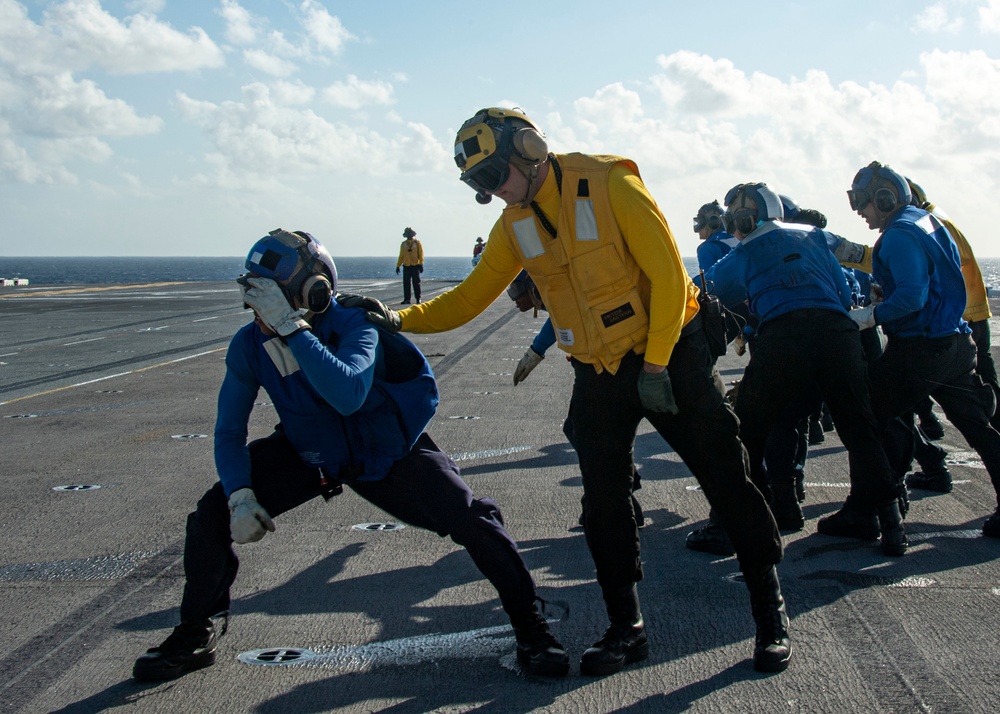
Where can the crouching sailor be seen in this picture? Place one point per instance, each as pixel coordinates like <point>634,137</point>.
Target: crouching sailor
<point>353,401</point>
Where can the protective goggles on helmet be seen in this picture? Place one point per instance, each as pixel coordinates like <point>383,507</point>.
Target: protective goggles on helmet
<point>484,167</point>
<point>859,198</point>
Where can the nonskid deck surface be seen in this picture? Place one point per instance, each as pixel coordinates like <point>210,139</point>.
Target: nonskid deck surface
<point>107,405</point>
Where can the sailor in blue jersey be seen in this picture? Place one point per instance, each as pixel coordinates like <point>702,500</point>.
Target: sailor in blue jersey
<point>715,240</point>
<point>929,350</point>
<point>797,290</point>
<point>353,403</point>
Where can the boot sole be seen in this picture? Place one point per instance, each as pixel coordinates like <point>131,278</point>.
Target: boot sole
<point>164,673</point>
<point>546,669</point>
<point>599,670</point>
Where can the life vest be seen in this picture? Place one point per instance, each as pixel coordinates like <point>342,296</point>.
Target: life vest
<point>595,292</point>
<point>365,444</point>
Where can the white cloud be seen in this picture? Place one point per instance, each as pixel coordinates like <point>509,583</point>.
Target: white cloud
<point>355,93</point>
<point>269,63</point>
<point>86,34</point>
<point>989,17</point>
<point>61,106</point>
<point>936,18</point>
<point>703,124</point>
<point>324,29</point>
<point>275,53</point>
<point>262,139</point>
<point>241,26</point>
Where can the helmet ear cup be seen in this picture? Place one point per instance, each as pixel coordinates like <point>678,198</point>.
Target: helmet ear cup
<point>744,220</point>
<point>316,294</point>
<point>884,200</point>
<point>714,222</point>
<point>530,145</point>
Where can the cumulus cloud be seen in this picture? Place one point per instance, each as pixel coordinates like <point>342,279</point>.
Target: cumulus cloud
<point>354,93</point>
<point>241,26</point>
<point>324,29</point>
<point>702,124</point>
<point>272,51</point>
<point>937,18</point>
<point>87,34</point>
<point>51,116</point>
<point>261,138</point>
<point>989,17</point>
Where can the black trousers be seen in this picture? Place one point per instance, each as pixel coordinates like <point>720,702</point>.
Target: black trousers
<point>411,276</point>
<point>912,368</point>
<point>985,366</point>
<point>803,350</point>
<point>705,434</point>
<point>423,489</point>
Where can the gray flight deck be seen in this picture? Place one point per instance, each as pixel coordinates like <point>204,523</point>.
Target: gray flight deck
<point>109,393</point>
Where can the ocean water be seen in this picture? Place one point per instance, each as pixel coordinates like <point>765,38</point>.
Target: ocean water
<point>62,271</point>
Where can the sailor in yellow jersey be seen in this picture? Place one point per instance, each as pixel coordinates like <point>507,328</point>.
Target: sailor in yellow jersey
<point>608,269</point>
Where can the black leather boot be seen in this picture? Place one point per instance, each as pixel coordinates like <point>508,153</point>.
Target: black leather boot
<point>890,520</point>
<point>623,642</point>
<point>190,646</point>
<point>785,507</point>
<point>851,521</point>
<point>710,539</point>
<point>538,651</point>
<point>772,647</point>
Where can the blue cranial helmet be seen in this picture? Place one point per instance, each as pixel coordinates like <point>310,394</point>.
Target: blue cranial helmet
<point>876,183</point>
<point>710,215</point>
<point>750,204</point>
<point>299,264</point>
<point>789,207</point>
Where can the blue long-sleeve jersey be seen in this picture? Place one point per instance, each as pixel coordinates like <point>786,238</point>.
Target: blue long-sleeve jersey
<point>330,390</point>
<point>714,248</point>
<point>781,267</point>
<point>916,262</point>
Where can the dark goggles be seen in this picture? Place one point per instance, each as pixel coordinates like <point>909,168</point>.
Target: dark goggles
<point>859,198</point>
<point>488,175</point>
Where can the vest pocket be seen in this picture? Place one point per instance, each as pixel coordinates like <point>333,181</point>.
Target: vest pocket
<point>619,320</point>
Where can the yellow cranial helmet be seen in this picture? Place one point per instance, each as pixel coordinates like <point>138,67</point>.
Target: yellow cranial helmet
<point>491,140</point>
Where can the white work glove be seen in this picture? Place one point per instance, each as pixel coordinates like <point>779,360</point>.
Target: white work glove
<point>530,360</point>
<point>248,521</point>
<point>656,393</point>
<point>378,313</point>
<point>863,316</point>
<point>269,302</point>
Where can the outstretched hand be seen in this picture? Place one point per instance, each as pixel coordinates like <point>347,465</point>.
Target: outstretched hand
<point>378,312</point>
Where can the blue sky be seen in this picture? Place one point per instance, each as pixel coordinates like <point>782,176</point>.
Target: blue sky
<point>151,127</point>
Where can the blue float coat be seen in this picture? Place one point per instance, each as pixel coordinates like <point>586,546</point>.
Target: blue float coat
<point>781,267</point>
<point>714,248</point>
<point>916,262</point>
<point>329,389</point>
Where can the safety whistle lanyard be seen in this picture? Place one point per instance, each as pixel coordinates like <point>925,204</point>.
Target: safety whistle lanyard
<point>542,218</point>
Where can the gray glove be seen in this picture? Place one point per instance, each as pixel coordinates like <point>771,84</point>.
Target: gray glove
<point>248,521</point>
<point>269,302</point>
<point>655,392</point>
<point>378,313</point>
<point>863,316</point>
<point>530,360</point>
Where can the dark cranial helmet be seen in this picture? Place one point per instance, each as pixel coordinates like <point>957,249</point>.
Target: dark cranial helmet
<point>710,215</point>
<point>299,264</point>
<point>409,233</point>
<point>750,204</point>
<point>881,185</point>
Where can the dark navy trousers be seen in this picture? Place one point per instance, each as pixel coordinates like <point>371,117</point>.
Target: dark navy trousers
<point>705,434</point>
<point>423,489</point>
